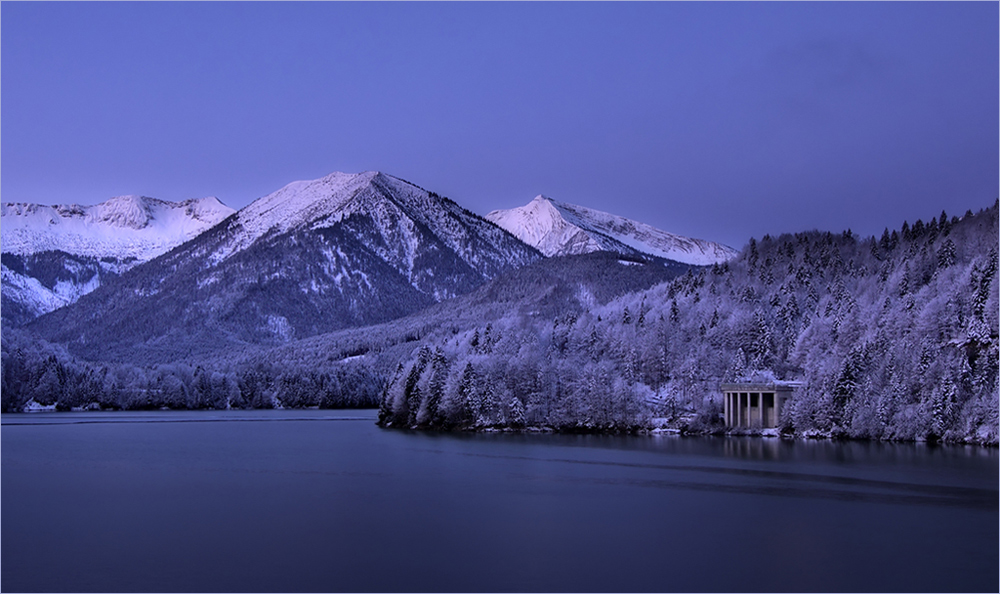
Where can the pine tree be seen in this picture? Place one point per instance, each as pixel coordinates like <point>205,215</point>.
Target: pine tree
<point>436,389</point>
<point>468,397</point>
<point>946,254</point>
<point>885,244</point>
<point>516,419</point>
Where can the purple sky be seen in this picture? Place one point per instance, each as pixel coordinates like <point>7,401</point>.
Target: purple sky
<point>714,120</point>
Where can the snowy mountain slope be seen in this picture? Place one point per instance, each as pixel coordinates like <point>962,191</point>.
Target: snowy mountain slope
<point>342,251</point>
<point>52,255</point>
<point>400,214</point>
<point>557,229</point>
<point>123,228</point>
<point>36,284</point>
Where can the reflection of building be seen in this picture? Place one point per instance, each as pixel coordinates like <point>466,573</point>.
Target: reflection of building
<point>755,405</point>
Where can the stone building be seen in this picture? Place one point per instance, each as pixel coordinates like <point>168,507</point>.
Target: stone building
<point>756,406</point>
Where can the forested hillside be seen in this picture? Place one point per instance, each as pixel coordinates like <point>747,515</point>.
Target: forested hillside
<point>349,367</point>
<point>893,338</point>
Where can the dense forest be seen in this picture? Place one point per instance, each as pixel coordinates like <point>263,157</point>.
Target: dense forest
<point>346,368</point>
<point>37,374</point>
<point>892,338</point>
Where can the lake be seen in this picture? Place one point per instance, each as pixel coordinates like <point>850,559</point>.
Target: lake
<point>326,501</point>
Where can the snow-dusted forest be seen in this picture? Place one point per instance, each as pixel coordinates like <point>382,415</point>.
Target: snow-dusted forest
<point>893,338</point>
<point>345,368</point>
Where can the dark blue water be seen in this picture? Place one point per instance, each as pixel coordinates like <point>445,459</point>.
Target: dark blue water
<point>326,501</point>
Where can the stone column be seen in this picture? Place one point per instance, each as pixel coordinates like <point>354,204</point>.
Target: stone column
<point>739,409</point>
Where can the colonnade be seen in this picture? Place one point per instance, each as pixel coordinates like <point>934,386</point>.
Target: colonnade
<point>751,409</point>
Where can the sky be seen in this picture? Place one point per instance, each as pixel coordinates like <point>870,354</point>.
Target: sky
<point>721,121</point>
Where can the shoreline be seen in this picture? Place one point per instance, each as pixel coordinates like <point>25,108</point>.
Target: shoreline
<point>652,431</point>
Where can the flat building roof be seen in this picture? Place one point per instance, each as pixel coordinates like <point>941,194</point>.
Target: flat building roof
<point>772,387</point>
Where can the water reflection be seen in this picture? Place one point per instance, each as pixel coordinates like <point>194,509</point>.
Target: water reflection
<point>320,502</point>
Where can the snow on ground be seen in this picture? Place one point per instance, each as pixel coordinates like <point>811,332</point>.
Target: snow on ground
<point>32,406</point>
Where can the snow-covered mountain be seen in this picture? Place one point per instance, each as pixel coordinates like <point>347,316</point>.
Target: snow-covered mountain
<point>558,229</point>
<point>52,255</point>
<point>391,217</point>
<point>123,228</point>
<point>341,251</point>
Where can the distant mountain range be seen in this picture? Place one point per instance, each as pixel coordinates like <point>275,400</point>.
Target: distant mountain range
<point>389,247</point>
<point>52,255</point>
<point>182,280</point>
<point>342,251</point>
<point>125,227</point>
<point>560,229</point>
<point>357,289</point>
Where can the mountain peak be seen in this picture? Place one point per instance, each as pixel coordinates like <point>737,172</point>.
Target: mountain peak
<point>314,256</point>
<point>131,211</point>
<point>543,201</point>
<point>122,227</point>
<point>559,228</point>
<point>92,242</point>
<point>209,209</point>
<point>300,203</point>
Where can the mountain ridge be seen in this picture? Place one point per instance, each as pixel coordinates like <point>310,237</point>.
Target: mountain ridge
<point>53,255</point>
<point>121,227</point>
<point>342,251</point>
<point>559,228</point>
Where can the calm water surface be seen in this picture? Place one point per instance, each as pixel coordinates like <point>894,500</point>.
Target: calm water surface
<point>326,501</point>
